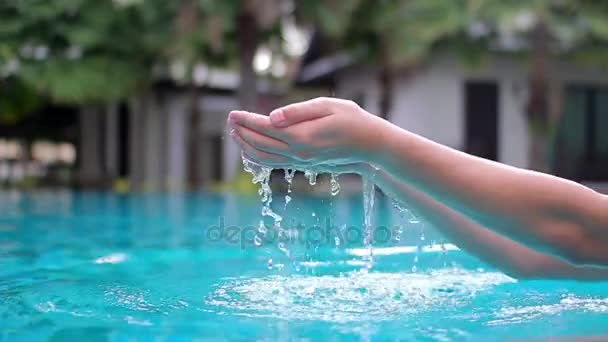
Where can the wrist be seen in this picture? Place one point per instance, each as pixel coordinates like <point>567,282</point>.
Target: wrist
<point>375,141</point>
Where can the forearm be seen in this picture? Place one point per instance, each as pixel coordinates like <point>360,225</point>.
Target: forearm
<point>503,253</point>
<point>538,210</point>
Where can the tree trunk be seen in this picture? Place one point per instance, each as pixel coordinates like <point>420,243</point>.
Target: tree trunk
<point>137,141</point>
<point>195,139</point>
<point>387,82</point>
<point>248,41</point>
<point>177,142</point>
<point>153,149</point>
<point>90,149</point>
<point>111,142</point>
<point>538,105</point>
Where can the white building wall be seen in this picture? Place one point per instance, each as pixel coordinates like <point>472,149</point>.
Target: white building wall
<point>430,102</point>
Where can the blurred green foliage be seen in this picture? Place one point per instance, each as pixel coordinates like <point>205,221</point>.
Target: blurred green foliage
<point>16,100</point>
<point>82,51</point>
<point>95,51</point>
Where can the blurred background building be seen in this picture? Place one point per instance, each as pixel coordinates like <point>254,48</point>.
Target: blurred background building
<point>134,94</point>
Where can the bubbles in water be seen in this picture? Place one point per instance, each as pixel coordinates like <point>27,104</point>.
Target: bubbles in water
<point>335,186</point>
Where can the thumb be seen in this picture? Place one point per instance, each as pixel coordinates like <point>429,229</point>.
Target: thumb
<point>302,111</point>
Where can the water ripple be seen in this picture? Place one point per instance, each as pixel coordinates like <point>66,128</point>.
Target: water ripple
<point>357,296</point>
<point>521,314</point>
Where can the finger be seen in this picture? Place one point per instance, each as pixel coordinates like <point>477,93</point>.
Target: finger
<point>260,157</point>
<point>256,122</point>
<point>260,141</point>
<point>339,169</point>
<point>298,112</point>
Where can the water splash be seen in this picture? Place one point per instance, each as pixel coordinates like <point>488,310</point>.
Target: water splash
<point>402,211</point>
<point>312,176</point>
<point>289,174</point>
<point>335,186</point>
<point>261,175</point>
<point>369,192</point>
<point>262,228</point>
<point>352,297</point>
<point>413,220</point>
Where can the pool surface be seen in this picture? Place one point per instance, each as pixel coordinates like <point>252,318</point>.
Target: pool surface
<point>97,266</point>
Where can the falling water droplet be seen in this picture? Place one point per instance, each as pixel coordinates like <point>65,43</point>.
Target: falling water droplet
<point>312,177</point>
<point>335,186</point>
<point>369,191</point>
<point>262,228</point>
<point>284,249</point>
<point>289,174</point>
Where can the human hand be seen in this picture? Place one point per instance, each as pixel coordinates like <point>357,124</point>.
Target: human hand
<point>322,131</point>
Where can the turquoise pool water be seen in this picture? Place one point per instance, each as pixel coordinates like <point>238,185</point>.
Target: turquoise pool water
<point>95,266</point>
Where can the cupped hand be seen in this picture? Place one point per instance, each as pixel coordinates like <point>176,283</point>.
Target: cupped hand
<point>322,131</point>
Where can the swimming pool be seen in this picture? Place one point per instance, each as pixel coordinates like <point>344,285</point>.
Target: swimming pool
<point>98,266</point>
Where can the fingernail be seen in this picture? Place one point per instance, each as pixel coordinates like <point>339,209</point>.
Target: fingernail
<point>277,117</point>
<point>233,117</point>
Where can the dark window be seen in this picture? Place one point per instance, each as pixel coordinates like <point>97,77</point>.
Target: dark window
<point>580,146</point>
<point>481,110</point>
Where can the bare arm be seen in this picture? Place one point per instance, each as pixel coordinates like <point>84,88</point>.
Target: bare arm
<point>503,253</point>
<point>548,213</point>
